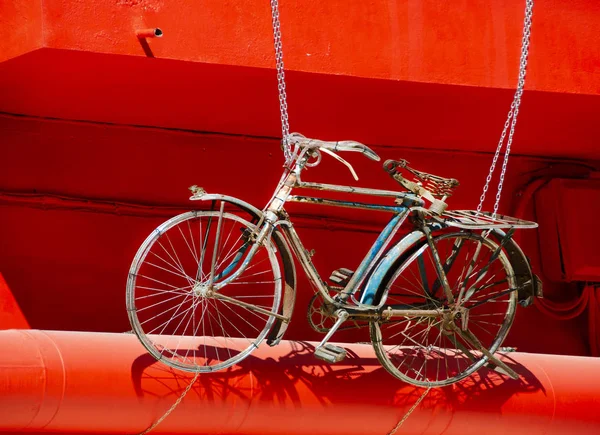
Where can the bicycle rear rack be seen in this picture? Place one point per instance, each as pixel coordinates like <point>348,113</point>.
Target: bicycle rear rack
<point>471,220</point>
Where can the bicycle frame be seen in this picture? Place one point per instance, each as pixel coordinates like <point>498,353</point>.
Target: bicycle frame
<point>379,306</point>
<point>274,215</point>
<point>367,264</point>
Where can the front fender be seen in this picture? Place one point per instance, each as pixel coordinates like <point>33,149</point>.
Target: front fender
<point>246,206</point>
<point>289,269</point>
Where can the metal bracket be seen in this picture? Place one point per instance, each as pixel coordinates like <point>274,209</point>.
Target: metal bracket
<point>197,192</point>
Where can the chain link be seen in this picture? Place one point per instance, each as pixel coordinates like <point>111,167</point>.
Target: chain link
<point>172,408</point>
<point>511,119</point>
<point>283,107</point>
<point>410,411</point>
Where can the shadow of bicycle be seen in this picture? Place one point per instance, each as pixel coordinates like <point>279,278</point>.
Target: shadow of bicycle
<point>296,378</point>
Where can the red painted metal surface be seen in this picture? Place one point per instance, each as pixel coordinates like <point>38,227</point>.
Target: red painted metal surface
<point>471,43</point>
<point>105,383</point>
<point>78,199</point>
<point>238,100</point>
<point>114,134</point>
<point>399,73</point>
<point>11,315</point>
<point>568,210</point>
<point>22,27</point>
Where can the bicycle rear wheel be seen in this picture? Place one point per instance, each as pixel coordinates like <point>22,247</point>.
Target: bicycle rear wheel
<point>173,309</point>
<point>429,351</point>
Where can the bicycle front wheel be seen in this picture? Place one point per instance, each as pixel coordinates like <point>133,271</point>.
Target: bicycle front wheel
<point>172,306</point>
<point>430,351</point>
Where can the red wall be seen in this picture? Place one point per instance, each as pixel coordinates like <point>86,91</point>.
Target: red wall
<point>99,141</point>
<point>240,100</point>
<point>467,42</point>
<point>66,248</point>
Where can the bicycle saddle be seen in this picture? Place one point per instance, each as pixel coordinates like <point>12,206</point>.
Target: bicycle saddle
<point>343,145</point>
<point>436,185</point>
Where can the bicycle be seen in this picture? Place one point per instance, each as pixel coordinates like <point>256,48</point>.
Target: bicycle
<point>208,286</point>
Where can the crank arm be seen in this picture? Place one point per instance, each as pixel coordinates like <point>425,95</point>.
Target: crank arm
<point>341,328</point>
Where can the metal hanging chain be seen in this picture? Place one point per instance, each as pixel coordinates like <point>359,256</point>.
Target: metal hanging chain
<point>172,408</point>
<point>410,411</point>
<point>511,120</point>
<point>283,107</point>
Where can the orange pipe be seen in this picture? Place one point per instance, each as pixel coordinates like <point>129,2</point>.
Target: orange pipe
<point>74,382</point>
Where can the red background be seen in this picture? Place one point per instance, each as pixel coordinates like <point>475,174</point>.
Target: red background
<point>99,141</point>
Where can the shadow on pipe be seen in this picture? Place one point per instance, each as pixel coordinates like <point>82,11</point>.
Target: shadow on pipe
<point>298,379</point>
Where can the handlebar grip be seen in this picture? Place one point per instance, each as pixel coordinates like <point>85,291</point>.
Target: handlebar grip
<point>371,154</point>
<point>344,145</point>
<point>350,145</point>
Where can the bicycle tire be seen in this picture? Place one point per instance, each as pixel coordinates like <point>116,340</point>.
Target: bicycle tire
<point>414,274</point>
<point>169,274</point>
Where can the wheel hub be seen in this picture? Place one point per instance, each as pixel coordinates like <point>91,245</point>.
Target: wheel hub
<point>454,316</point>
<point>202,289</point>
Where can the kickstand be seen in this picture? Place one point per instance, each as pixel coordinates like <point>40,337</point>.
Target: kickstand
<point>497,365</point>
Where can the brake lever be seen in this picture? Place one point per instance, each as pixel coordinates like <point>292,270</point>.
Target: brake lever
<point>339,159</point>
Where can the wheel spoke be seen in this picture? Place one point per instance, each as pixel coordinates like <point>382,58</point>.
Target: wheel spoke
<point>413,350</point>
<point>160,302</point>
<point>169,271</point>
<point>174,267</point>
<point>187,243</point>
<point>180,321</point>
<point>220,322</point>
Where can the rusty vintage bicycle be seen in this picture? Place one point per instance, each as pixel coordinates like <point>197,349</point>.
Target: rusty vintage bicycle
<point>207,287</point>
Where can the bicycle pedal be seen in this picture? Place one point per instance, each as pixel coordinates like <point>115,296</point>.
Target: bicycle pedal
<point>330,353</point>
<point>341,276</point>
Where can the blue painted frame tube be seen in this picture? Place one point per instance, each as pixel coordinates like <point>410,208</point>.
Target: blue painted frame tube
<point>234,262</point>
<point>388,261</point>
<point>376,251</point>
<point>265,233</point>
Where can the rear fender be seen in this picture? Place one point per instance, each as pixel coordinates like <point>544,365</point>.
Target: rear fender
<point>529,284</point>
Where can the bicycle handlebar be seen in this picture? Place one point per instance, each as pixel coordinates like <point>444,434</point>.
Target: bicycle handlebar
<point>344,145</point>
